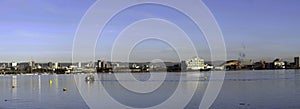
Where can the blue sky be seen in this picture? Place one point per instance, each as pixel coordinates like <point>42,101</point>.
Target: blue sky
<point>40,30</point>
<point>43,30</point>
<point>268,28</point>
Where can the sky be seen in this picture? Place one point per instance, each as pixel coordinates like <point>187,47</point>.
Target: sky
<point>44,30</point>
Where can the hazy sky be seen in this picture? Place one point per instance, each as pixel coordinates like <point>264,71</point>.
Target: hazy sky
<point>43,30</point>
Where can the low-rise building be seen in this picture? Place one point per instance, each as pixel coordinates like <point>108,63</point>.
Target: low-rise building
<point>194,64</point>
<point>260,65</point>
<point>56,65</point>
<point>232,65</point>
<point>104,66</point>
<point>278,64</point>
<point>297,61</point>
<point>14,64</point>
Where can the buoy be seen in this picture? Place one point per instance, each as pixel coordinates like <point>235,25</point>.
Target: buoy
<point>205,78</point>
<point>64,89</point>
<point>50,81</point>
<point>90,78</point>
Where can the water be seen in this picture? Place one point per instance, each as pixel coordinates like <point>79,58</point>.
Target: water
<point>35,91</point>
<point>279,89</point>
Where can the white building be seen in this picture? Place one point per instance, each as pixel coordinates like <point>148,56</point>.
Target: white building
<point>14,64</point>
<point>79,64</point>
<point>279,64</point>
<point>56,65</point>
<point>31,64</point>
<point>195,64</point>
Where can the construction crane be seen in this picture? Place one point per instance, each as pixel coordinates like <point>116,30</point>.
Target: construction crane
<point>242,54</point>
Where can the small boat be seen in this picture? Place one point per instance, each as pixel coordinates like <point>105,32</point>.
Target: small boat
<point>89,78</point>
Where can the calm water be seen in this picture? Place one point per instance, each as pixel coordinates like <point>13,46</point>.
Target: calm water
<point>278,89</point>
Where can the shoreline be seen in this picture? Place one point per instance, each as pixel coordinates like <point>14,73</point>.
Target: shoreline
<point>31,74</point>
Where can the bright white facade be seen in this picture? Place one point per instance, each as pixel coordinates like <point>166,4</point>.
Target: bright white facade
<point>195,64</point>
<point>279,64</point>
<point>56,65</point>
<point>14,64</point>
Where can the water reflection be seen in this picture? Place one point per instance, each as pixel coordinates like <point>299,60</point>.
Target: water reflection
<point>14,86</point>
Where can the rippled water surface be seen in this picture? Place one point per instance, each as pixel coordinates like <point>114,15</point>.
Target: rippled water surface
<point>241,89</point>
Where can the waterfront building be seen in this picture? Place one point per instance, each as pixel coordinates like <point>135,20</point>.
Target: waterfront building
<point>106,65</point>
<point>56,65</point>
<point>278,64</point>
<point>259,65</point>
<point>50,65</point>
<point>3,66</point>
<point>31,64</point>
<point>99,64</point>
<point>194,64</point>
<point>297,61</point>
<point>79,64</point>
<point>14,64</point>
<point>232,65</point>
<point>103,66</point>
<point>246,64</point>
<point>115,65</point>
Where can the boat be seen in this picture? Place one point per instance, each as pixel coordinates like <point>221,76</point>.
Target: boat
<point>89,78</point>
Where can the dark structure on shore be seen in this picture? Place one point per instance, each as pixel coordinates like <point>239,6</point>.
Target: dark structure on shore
<point>103,67</point>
